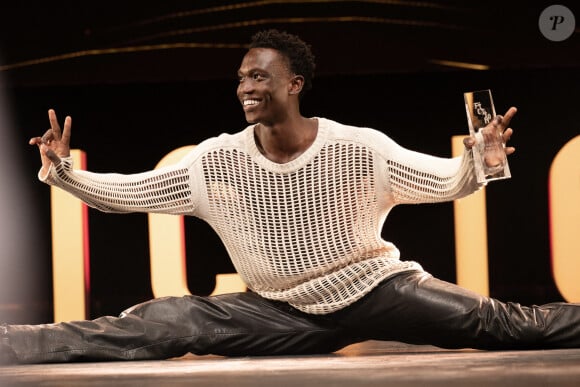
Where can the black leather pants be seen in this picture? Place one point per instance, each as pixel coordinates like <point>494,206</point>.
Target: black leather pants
<point>411,307</point>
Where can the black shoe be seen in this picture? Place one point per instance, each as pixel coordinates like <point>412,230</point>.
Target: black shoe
<point>7,355</point>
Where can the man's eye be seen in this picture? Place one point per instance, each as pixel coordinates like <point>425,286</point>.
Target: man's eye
<point>257,77</point>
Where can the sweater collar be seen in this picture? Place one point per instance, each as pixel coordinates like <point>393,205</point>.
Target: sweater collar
<point>295,164</point>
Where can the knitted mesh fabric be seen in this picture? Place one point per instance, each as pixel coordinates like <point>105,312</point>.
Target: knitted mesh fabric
<point>164,191</point>
<point>308,233</point>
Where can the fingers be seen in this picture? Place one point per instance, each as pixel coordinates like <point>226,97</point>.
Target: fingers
<point>507,134</point>
<point>46,138</point>
<point>53,140</point>
<point>66,130</point>
<point>500,124</point>
<point>510,114</point>
<point>56,132</point>
<point>35,141</point>
<point>54,124</point>
<point>505,120</point>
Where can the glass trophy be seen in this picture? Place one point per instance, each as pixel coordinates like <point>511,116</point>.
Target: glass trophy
<point>489,150</point>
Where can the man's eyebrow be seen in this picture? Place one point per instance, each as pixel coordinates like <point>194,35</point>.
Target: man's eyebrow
<point>251,71</point>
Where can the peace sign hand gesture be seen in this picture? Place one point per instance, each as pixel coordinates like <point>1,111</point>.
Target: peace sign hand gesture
<point>54,144</point>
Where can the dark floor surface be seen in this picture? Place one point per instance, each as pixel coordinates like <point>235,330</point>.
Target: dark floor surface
<point>366,364</point>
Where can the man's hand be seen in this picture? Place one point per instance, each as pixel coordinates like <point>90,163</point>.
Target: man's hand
<point>54,144</point>
<point>493,155</point>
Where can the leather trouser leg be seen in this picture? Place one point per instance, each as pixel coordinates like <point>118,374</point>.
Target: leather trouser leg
<point>416,308</point>
<point>233,325</point>
<point>411,307</point>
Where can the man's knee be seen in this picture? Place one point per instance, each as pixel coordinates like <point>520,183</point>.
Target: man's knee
<point>156,306</point>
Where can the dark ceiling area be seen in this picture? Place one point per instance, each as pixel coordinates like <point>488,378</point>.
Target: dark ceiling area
<point>94,42</point>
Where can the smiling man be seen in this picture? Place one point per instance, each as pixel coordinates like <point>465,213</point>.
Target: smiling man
<point>299,203</point>
<point>268,90</point>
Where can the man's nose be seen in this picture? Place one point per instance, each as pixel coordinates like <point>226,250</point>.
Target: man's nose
<point>245,87</point>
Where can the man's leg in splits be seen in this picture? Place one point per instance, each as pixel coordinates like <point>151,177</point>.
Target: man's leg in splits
<point>415,307</point>
<point>232,324</point>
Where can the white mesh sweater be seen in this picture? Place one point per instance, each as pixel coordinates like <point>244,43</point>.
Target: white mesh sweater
<point>307,232</point>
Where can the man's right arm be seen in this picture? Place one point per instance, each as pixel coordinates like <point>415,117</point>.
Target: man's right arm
<point>166,190</point>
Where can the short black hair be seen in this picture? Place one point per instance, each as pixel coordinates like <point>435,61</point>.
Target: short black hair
<point>300,57</point>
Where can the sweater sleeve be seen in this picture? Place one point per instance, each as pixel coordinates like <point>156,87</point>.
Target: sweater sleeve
<point>166,190</point>
<point>414,177</point>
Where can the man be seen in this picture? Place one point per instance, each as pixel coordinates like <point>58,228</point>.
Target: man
<point>299,204</point>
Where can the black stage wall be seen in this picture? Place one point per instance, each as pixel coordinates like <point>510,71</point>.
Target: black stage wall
<point>128,127</point>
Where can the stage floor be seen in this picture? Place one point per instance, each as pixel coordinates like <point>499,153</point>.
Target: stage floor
<point>366,364</point>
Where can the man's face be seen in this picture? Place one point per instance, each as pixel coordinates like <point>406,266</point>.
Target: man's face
<point>264,86</point>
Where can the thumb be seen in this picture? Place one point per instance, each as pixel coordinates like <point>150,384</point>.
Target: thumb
<point>469,142</point>
<point>53,157</point>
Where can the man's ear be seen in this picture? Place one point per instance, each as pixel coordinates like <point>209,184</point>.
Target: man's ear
<point>296,84</point>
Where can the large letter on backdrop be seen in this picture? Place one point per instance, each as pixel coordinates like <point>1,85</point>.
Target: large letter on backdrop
<point>167,250</point>
<point>564,193</point>
<point>70,251</point>
<point>470,235</point>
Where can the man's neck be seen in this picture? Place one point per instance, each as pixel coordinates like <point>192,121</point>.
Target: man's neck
<point>286,141</point>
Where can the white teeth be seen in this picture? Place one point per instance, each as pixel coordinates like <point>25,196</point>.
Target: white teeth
<point>250,102</point>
